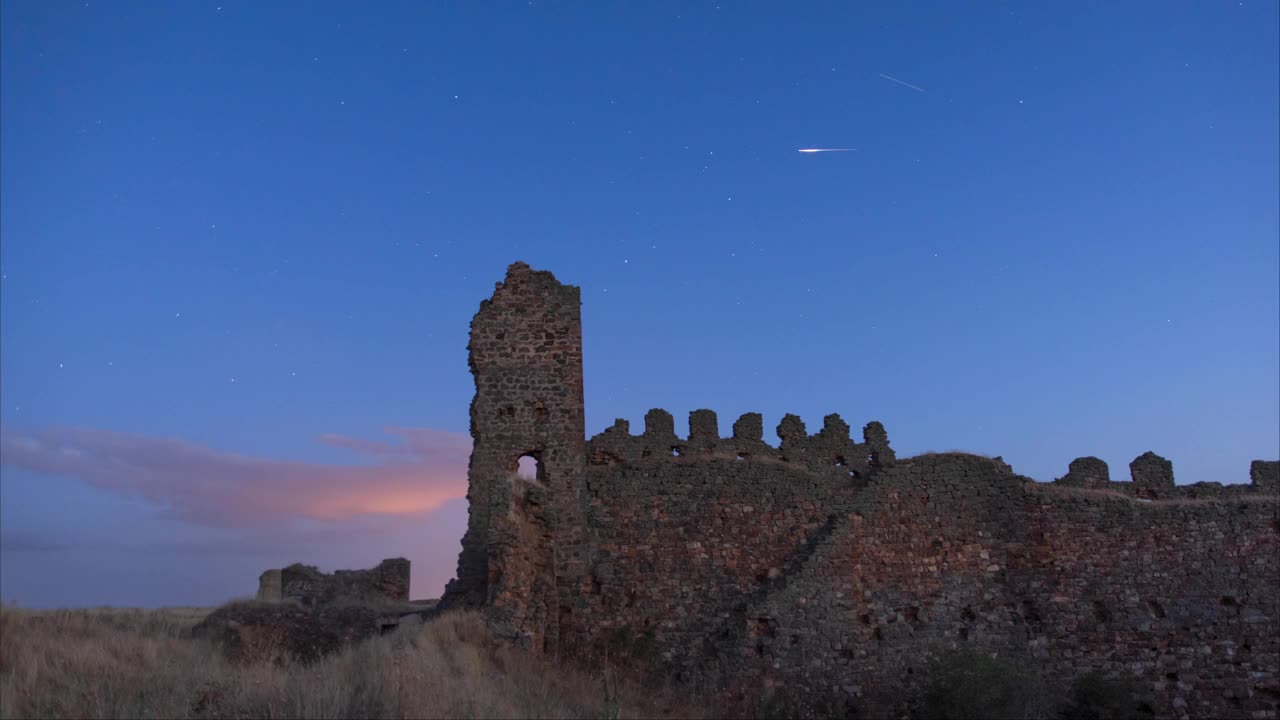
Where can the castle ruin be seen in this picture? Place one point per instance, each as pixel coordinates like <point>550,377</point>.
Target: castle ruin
<point>828,564</point>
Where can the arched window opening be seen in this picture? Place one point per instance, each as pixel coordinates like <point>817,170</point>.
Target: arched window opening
<point>529,467</point>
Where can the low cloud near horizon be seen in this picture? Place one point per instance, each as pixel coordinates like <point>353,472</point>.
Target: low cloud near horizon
<point>220,489</point>
<point>182,523</point>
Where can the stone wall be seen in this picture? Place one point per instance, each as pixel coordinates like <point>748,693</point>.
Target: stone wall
<point>305,584</point>
<point>784,566</point>
<point>954,551</point>
<point>826,564</point>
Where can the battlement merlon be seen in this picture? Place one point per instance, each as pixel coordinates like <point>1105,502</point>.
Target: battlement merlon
<point>1151,478</point>
<point>1265,476</point>
<point>831,447</point>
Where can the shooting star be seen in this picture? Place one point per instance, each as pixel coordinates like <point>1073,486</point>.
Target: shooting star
<point>817,150</point>
<point>913,87</point>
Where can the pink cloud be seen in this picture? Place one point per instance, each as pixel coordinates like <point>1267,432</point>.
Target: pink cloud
<point>220,489</point>
<point>364,447</point>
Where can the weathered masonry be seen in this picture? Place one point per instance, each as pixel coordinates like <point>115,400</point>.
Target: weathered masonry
<point>829,564</point>
<point>307,586</point>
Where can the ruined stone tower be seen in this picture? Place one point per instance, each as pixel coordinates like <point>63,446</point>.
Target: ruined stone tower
<point>524,535</point>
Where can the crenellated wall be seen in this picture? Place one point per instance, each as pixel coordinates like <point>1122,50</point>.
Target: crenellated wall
<point>830,450</point>
<point>783,566</point>
<point>828,565</point>
<point>1152,479</point>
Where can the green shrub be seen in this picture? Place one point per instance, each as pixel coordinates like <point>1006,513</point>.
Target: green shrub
<point>966,685</point>
<point>1095,697</point>
<point>969,685</point>
<point>797,704</point>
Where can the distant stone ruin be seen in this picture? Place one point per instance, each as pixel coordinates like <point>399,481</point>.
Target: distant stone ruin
<point>306,585</point>
<point>828,564</point>
<point>304,614</point>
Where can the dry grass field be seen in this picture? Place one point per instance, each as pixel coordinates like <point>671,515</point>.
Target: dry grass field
<point>116,663</point>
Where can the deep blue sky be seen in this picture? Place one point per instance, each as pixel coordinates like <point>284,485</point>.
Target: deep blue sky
<point>231,229</point>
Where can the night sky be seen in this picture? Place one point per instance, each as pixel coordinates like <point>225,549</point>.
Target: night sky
<point>241,243</point>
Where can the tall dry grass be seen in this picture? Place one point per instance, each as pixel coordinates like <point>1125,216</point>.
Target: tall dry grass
<point>142,664</point>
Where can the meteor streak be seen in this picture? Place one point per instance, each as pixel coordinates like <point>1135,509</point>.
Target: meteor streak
<point>815,150</point>
<point>913,87</point>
